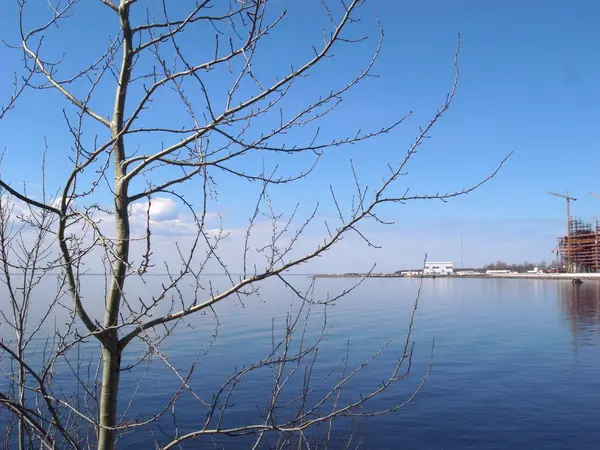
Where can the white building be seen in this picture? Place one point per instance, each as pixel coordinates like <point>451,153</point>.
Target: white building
<point>438,268</point>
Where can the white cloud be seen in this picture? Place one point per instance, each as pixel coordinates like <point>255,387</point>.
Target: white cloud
<point>161,209</point>
<point>15,207</point>
<point>56,203</point>
<point>404,245</point>
<point>167,217</point>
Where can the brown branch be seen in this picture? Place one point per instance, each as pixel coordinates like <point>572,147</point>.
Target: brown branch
<point>191,18</point>
<point>346,226</point>
<point>312,416</point>
<point>28,200</point>
<point>111,5</point>
<point>61,89</point>
<point>243,105</point>
<point>179,26</point>
<point>45,395</point>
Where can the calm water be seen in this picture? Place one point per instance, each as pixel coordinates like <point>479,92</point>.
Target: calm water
<point>516,363</point>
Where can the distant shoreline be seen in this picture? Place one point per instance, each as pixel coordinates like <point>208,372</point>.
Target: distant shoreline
<point>533,276</point>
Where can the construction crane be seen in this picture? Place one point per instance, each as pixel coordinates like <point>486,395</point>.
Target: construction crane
<point>566,256</point>
<point>568,198</point>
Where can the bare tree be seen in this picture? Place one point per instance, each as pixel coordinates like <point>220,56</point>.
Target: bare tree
<point>162,58</point>
<point>26,257</point>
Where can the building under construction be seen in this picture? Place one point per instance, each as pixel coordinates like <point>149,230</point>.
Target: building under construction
<point>580,249</point>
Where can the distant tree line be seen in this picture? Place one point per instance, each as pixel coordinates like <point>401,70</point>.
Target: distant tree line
<point>523,267</point>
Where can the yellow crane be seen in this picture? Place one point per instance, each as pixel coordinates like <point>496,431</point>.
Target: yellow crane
<point>566,256</point>
<point>568,198</point>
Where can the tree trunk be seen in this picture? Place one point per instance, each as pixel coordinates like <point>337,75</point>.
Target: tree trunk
<point>111,353</point>
<point>108,398</point>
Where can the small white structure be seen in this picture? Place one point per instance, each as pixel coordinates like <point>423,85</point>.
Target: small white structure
<point>467,272</point>
<point>438,268</point>
<point>498,272</point>
<point>411,273</point>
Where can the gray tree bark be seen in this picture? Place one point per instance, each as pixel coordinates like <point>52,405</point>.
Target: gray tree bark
<point>111,355</point>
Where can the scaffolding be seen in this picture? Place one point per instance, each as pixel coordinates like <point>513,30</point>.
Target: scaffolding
<point>580,249</point>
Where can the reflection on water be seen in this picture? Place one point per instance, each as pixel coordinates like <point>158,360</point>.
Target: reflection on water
<point>504,373</point>
<point>580,303</point>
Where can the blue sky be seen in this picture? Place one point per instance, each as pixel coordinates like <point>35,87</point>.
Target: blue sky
<point>528,85</point>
